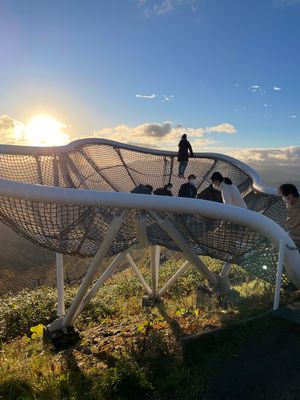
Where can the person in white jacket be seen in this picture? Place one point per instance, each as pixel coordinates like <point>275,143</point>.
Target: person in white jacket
<point>230,193</point>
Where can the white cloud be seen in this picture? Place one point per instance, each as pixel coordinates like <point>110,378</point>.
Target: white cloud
<point>222,128</point>
<point>276,88</point>
<point>265,105</point>
<point>163,7</point>
<point>164,135</point>
<point>11,130</point>
<point>18,133</point>
<point>146,96</point>
<point>282,155</point>
<point>255,87</point>
<point>167,98</point>
<point>293,116</point>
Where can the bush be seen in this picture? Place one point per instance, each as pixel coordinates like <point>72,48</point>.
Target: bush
<point>126,380</point>
<point>32,307</point>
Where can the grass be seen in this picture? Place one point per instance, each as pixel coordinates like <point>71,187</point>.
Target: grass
<point>126,351</point>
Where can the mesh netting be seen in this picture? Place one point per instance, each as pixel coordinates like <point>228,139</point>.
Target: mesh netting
<point>79,230</point>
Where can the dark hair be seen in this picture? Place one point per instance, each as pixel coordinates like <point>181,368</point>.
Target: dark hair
<point>149,187</point>
<point>191,177</point>
<point>217,176</point>
<point>183,136</point>
<point>288,188</point>
<point>168,184</point>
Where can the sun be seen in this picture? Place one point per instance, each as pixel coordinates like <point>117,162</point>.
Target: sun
<point>43,130</point>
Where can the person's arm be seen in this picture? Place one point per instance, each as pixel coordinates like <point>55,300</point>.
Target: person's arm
<point>190,149</point>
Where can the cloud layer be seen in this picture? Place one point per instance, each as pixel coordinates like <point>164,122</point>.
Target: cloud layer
<point>163,7</point>
<point>18,133</point>
<point>163,135</point>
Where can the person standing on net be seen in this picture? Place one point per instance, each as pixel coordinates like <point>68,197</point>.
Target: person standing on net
<point>230,193</point>
<point>184,148</point>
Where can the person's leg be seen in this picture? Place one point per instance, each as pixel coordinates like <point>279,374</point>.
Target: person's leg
<point>182,167</point>
<point>180,174</point>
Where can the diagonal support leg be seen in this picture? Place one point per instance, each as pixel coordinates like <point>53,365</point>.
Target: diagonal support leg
<point>139,274</point>
<point>193,259</point>
<point>103,278</point>
<point>69,318</point>
<point>170,282</point>
<point>141,229</point>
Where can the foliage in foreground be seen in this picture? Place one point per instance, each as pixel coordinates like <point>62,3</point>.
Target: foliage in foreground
<point>126,352</point>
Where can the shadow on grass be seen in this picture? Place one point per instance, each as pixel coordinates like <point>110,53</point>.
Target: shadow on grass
<point>175,327</point>
<point>14,389</point>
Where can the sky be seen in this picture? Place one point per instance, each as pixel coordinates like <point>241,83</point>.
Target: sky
<point>147,71</point>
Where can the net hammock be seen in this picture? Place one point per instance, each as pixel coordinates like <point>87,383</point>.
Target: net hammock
<point>101,165</point>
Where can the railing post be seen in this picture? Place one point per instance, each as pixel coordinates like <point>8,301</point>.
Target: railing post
<point>155,262</point>
<point>60,284</point>
<point>282,245</point>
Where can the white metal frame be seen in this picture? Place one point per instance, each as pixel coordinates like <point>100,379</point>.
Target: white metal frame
<point>258,184</point>
<point>128,201</point>
<point>282,249</point>
<point>60,285</point>
<point>154,204</point>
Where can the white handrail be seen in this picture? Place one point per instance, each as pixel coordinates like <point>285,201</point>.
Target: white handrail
<point>258,184</point>
<point>237,215</point>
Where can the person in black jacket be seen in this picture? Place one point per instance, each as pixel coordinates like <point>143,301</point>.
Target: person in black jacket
<point>142,189</point>
<point>211,194</point>
<point>184,148</point>
<point>188,189</point>
<point>164,191</point>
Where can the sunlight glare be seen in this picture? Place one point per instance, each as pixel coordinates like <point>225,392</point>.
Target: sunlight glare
<point>44,130</point>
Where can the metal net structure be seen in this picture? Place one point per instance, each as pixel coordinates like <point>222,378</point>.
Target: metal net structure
<point>104,166</point>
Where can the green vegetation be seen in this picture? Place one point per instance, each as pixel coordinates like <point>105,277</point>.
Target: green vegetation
<point>126,351</point>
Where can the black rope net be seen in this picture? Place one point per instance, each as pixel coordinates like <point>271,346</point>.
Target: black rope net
<point>79,230</point>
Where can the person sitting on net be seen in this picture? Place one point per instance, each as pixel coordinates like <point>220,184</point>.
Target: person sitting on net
<point>142,189</point>
<point>210,194</point>
<point>230,193</point>
<point>184,148</point>
<point>188,189</point>
<point>290,195</point>
<point>164,191</point>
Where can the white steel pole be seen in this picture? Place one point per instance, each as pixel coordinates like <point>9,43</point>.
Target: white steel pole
<point>170,282</point>
<point>154,262</point>
<point>60,284</point>
<point>282,245</point>
<point>108,239</point>
<point>139,274</point>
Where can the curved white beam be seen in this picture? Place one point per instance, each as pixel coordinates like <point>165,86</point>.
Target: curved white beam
<point>258,184</point>
<point>237,215</point>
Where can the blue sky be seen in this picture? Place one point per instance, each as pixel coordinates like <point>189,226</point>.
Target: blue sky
<point>226,72</point>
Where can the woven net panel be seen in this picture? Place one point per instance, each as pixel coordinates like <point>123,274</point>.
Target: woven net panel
<point>67,229</point>
<point>221,240</point>
<point>270,206</point>
<point>104,167</point>
<point>80,230</point>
